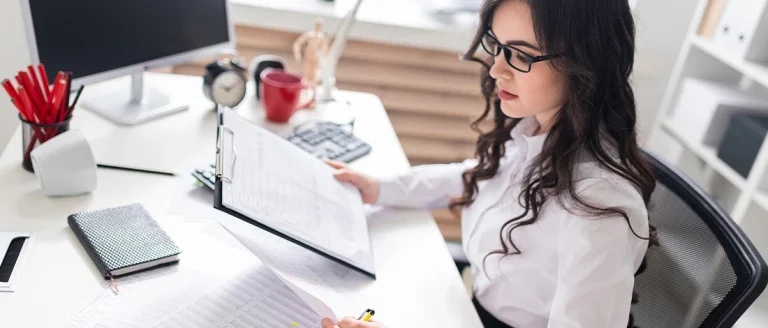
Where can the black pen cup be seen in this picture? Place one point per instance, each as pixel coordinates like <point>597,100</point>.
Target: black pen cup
<point>34,135</point>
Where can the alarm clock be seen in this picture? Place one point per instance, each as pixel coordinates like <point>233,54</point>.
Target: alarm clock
<point>261,63</point>
<point>225,82</point>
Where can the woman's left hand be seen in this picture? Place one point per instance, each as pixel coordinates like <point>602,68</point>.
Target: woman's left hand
<point>350,322</point>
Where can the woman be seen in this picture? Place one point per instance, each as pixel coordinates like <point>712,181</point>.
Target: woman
<point>554,219</point>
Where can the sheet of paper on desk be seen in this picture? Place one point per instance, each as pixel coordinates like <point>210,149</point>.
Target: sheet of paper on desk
<point>284,187</point>
<point>213,285</point>
<point>343,289</point>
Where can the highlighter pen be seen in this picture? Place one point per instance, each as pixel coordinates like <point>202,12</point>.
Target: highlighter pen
<point>366,316</point>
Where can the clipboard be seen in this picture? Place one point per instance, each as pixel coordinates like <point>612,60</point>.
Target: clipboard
<point>228,159</point>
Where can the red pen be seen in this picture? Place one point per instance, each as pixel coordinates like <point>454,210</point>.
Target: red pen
<point>44,78</point>
<point>11,91</point>
<point>36,83</point>
<point>26,82</point>
<point>58,99</point>
<point>20,89</point>
<point>25,101</point>
<point>50,109</point>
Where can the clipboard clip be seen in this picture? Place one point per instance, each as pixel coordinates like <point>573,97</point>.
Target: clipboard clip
<point>220,154</point>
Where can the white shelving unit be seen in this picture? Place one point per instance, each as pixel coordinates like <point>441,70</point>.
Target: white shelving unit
<point>745,199</point>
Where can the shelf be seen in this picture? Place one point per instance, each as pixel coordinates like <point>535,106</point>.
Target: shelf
<point>708,155</point>
<point>755,71</point>
<point>761,199</point>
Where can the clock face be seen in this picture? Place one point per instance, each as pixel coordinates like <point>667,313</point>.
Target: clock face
<point>228,89</point>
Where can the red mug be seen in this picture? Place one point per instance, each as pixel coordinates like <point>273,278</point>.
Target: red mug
<point>280,94</point>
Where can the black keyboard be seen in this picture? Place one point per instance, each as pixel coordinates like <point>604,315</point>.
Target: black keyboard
<point>206,175</point>
<point>324,140</point>
<point>331,141</point>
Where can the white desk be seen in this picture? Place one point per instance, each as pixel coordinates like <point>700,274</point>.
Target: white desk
<point>417,286</point>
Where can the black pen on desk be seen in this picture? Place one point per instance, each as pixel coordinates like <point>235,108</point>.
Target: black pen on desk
<point>74,102</point>
<point>123,168</point>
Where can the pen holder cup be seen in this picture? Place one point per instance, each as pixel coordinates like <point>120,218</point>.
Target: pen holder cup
<point>33,135</point>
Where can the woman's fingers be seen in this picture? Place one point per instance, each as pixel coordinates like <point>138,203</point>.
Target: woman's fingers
<point>347,175</point>
<point>327,323</point>
<point>342,172</point>
<point>369,187</point>
<point>350,322</point>
<point>335,164</point>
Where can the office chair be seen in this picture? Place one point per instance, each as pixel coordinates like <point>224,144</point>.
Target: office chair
<point>704,273</point>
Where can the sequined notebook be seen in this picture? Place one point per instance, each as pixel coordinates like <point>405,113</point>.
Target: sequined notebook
<point>123,239</point>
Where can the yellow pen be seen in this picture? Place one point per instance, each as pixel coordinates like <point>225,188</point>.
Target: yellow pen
<point>366,316</point>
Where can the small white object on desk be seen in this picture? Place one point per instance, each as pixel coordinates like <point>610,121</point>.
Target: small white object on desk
<point>65,165</point>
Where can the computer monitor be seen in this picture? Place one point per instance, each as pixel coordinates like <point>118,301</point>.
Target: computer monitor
<point>103,39</point>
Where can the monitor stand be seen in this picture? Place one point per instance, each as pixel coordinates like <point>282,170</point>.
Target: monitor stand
<point>141,105</point>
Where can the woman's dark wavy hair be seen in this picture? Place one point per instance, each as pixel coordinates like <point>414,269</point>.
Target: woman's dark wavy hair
<point>597,119</point>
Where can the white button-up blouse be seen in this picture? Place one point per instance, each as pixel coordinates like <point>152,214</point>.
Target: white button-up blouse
<point>574,270</point>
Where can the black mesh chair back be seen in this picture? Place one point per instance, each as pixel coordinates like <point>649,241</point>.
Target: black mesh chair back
<point>704,272</point>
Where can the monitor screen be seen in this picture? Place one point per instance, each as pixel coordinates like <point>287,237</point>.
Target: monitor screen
<point>88,37</point>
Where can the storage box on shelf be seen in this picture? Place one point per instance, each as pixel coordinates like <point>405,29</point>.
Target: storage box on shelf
<point>742,141</point>
<point>704,108</point>
<point>741,30</point>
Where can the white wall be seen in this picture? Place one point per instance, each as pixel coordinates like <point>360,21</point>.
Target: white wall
<point>13,58</point>
<point>662,27</point>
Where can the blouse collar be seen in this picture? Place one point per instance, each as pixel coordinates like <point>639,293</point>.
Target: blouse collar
<point>529,144</point>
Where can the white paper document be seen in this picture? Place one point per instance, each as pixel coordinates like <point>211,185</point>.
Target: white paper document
<point>340,288</point>
<point>277,184</point>
<point>344,290</point>
<point>214,285</point>
<point>256,298</point>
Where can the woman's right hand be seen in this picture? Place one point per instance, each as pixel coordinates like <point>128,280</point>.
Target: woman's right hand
<point>350,322</point>
<point>368,186</point>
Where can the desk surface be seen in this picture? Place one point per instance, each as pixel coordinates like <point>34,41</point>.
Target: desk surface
<point>418,280</point>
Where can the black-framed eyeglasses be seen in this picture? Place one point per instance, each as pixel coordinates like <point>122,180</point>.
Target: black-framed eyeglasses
<point>516,58</point>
